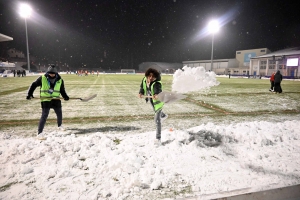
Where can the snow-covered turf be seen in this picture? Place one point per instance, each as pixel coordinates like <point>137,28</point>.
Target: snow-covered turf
<point>199,156</point>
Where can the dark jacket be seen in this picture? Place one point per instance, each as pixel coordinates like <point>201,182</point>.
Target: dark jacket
<point>277,77</point>
<point>38,83</point>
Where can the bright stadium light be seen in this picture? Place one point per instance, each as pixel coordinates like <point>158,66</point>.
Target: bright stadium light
<point>213,27</point>
<point>25,12</point>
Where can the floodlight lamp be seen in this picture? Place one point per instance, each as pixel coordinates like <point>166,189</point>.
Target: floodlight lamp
<point>213,26</point>
<point>25,10</point>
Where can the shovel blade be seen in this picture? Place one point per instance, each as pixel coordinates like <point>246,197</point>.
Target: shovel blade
<point>169,97</point>
<point>89,98</point>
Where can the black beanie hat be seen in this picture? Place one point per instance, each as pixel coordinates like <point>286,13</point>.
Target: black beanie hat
<point>52,69</point>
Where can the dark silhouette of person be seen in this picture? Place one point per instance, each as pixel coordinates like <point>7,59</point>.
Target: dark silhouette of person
<point>277,82</point>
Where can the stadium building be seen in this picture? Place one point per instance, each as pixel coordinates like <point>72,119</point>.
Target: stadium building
<point>234,66</point>
<point>252,62</point>
<point>5,64</point>
<point>255,63</point>
<point>286,60</point>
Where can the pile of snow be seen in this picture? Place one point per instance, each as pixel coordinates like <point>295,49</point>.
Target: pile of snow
<point>191,79</point>
<point>203,160</point>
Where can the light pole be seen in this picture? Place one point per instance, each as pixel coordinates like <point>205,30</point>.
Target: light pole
<point>213,27</point>
<point>25,12</point>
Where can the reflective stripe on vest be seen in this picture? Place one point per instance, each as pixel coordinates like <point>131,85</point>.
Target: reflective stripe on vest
<point>46,86</point>
<point>145,86</point>
<point>157,104</point>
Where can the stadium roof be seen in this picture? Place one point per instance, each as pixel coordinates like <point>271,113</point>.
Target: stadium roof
<point>4,38</point>
<point>283,52</point>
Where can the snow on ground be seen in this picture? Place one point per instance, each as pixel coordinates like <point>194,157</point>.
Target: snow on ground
<point>204,160</point>
<point>207,159</point>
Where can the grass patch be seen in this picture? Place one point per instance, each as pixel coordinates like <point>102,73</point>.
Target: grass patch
<point>185,190</point>
<point>14,90</point>
<point>7,186</point>
<point>117,103</point>
<point>117,141</point>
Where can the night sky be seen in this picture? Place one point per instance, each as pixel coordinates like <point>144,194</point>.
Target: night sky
<point>124,33</point>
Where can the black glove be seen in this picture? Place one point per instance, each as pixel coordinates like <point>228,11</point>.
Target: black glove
<point>66,98</point>
<point>29,97</point>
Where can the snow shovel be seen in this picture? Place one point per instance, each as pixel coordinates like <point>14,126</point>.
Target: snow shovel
<point>168,97</point>
<point>82,99</point>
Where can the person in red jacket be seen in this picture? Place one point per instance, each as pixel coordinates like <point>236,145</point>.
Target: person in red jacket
<point>272,78</point>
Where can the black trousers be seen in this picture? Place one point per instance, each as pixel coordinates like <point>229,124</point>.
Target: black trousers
<point>272,85</point>
<point>45,113</point>
<point>277,87</point>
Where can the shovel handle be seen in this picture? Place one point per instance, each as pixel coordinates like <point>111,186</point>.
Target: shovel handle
<point>147,96</point>
<point>152,97</point>
<point>56,98</point>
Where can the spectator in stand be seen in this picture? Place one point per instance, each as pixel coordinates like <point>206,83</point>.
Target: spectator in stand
<point>272,82</point>
<point>277,82</point>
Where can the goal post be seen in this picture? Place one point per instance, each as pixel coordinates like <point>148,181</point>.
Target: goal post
<point>128,71</point>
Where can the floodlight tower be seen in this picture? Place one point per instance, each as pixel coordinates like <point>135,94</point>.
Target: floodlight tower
<point>213,27</point>
<point>25,12</point>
